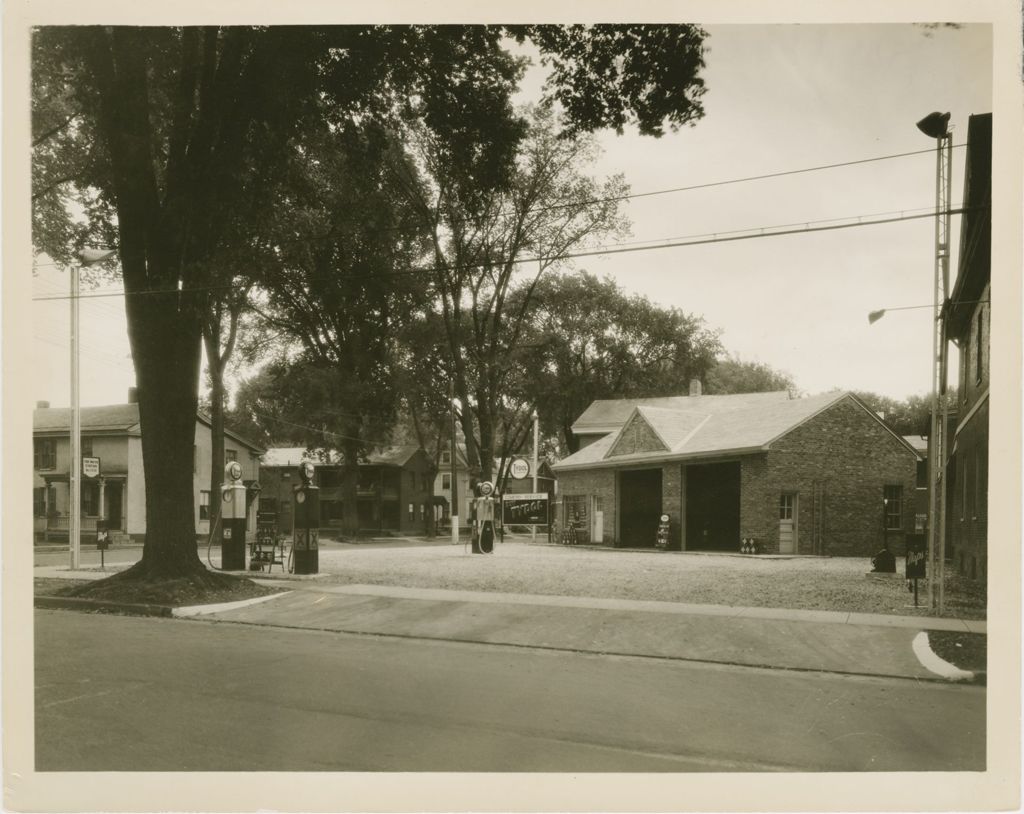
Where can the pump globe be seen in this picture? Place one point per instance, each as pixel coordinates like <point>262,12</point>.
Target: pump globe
<point>233,471</point>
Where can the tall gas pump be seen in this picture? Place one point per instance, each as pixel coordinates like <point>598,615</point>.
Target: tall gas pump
<point>305,537</point>
<point>232,513</point>
<point>483,519</point>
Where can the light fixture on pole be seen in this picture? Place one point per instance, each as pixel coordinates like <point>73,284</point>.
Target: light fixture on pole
<point>87,257</point>
<point>936,125</point>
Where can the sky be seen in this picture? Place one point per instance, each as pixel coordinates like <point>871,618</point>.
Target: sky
<point>779,98</point>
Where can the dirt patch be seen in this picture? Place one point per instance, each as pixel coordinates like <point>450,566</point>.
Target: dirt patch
<point>968,651</point>
<point>48,586</point>
<point>176,592</point>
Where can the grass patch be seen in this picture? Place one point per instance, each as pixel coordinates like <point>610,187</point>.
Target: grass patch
<point>175,592</point>
<point>968,651</point>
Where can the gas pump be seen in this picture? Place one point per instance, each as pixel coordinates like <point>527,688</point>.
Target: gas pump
<point>305,537</point>
<point>483,519</point>
<point>233,512</point>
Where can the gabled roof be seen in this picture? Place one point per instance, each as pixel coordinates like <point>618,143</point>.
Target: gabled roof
<point>607,415</point>
<point>110,419</point>
<point>397,455</point>
<point>718,430</point>
<point>918,442</point>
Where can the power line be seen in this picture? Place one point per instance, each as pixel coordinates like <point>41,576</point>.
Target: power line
<point>615,248</point>
<point>634,195</point>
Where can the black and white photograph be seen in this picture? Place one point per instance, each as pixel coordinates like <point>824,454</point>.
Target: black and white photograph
<point>521,408</point>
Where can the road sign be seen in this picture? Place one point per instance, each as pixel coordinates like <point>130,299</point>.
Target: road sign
<point>91,467</point>
<point>524,510</point>
<point>519,468</point>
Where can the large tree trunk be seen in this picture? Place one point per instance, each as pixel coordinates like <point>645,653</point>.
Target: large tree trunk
<point>166,346</point>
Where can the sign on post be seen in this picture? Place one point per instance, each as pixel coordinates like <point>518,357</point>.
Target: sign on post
<point>917,556</point>
<point>519,468</point>
<point>91,467</point>
<point>525,510</point>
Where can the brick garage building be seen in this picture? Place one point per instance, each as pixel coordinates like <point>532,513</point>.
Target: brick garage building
<point>820,475</point>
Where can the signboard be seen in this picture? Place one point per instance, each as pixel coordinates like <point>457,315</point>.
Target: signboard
<point>917,556</point>
<point>519,468</point>
<point>524,510</point>
<point>91,467</point>
<point>663,532</point>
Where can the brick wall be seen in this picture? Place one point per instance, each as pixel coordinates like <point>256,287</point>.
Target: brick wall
<point>672,502</point>
<point>848,457</point>
<point>588,483</point>
<point>967,524</point>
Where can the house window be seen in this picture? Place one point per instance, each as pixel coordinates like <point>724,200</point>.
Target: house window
<point>230,455</point>
<point>786,506</point>
<point>892,494</point>
<point>204,505</point>
<point>446,482</point>
<point>45,453</point>
<point>446,457</point>
<point>86,444</point>
<point>412,511</point>
<point>39,502</point>
<point>90,499</point>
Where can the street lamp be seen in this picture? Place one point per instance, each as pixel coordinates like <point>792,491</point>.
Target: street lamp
<point>87,257</point>
<point>936,125</point>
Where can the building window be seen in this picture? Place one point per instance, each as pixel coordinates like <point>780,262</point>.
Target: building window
<point>786,506</point>
<point>45,453</point>
<point>446,457</point>
<point>446,482</point>
<point>922,475</point>
<point>893,496</point>
<point>86,444</point>
<point>575,510</point>
<point>412,511</point>
<point>204,505</point>
<point>230,455</point>
<point>39,502</point>
<point>979,341</point>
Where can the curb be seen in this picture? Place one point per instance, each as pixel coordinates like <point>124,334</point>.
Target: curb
<point>199,610</point>
<point>933,663</point>
<point>99,605</point>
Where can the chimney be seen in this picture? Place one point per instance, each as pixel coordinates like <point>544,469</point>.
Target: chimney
<point>42,405</point>
<point>695,389</point>
<point>133,395</point>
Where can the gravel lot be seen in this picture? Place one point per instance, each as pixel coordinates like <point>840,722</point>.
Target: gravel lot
<point>517,567</point>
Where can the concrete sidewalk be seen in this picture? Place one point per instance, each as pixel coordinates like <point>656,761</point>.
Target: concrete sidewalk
<point>755,637</point>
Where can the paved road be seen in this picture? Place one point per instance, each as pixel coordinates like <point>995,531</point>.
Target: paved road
<point>123,693</point>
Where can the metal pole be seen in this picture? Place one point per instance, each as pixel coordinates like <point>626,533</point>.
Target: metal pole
<point>934,440</point>
<point>74,472</point>
<point>533,536</point>
<point>945,145</point>
<point>455,481</point>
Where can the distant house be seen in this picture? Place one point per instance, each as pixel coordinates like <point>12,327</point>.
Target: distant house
<point>546,482</point>
<point>116,495</point>
<point>392,492</point>
<point>821,475</point>
<point>967,317</point>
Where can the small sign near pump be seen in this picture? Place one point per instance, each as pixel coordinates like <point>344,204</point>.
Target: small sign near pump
<point>90,467</point>
<point>519,468</point>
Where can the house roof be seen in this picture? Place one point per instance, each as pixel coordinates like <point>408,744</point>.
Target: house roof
<point>397,455</point>
<point>720,427</point>
<point>112,419</point>
<point>918,442</point>
<point>607,415</point>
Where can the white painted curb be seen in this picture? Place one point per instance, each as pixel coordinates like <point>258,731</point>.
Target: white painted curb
<point>931,662</point>
<point>199,610</point>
